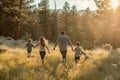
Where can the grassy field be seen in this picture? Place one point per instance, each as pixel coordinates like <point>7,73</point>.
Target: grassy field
<point>102,65</point>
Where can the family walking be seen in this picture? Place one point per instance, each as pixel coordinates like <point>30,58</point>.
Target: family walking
<point>63,41</point>
<point>42,45</point>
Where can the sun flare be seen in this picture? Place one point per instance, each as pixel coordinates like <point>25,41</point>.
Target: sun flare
<point>114,4</point>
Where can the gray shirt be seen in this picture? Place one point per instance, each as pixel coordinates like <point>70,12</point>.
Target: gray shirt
<point>77,51</point>
<point>63,41</point>
<point>29,46</point>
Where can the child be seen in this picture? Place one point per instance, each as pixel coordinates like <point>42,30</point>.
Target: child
<point>43,46</point>
<point>29,47</point>
<point>78,52</point>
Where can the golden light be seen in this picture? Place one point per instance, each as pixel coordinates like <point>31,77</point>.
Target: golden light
<point>114,3</point>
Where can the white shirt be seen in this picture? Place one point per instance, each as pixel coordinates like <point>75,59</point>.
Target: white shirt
<point>42,48</point>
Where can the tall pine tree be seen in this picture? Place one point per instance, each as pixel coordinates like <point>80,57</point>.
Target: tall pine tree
<point>64,20</point>
<point>11,13</point>
<point>44,17</point>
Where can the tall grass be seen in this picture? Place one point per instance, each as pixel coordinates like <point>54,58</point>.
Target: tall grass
<point>102,65</point>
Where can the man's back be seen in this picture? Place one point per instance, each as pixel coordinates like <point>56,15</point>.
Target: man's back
<point>63,41</point>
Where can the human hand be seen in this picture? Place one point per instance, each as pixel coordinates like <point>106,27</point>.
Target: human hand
<point>87,57</point>
<point>49,52</point>
<point>54,48</point>
<point>72,49</point>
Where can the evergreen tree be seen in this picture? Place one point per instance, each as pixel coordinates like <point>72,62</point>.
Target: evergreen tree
<point>44,17</point>
<point>55,22</point>
<point>12,17</point>
<point>73,15</point>
<point>87,32</point>
<point>74,28</point>
<point>103,4</point>
<point>65,17</point>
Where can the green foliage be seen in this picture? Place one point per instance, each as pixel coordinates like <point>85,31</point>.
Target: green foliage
<point>107,47</point>
<point>65,16</point>
<point>103,4</point>
<point>88,45</point>
<point>44,17</point>
<point>13,15</point>
<point>26,36</point>
<point>66,7</point>
<point>98,27</point>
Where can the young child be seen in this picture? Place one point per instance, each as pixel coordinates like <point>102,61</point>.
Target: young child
<point>78,52</point>
<point>29,47</point>
<point>43,46</point>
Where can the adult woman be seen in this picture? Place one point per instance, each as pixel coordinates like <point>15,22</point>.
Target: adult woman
<point>43,46</point>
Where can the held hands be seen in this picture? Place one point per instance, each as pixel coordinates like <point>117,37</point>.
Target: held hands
<point>48,52</point>
<point>72,48</point>
<point>54,48</point>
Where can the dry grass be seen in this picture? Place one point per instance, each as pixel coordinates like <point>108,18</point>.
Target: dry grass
<point>102,65</point>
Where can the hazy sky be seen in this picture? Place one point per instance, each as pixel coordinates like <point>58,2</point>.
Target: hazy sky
<point>81,4</point>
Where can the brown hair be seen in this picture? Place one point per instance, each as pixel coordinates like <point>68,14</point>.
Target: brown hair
<point>77,43</point>
<point>30,40</point>
<point>42,41</point>
<point>62,33</point>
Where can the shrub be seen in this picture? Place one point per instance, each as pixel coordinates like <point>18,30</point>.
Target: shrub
<point>107,46</point>
<point>88,45</point>
<point>26,36</point>
<point>3,50</point>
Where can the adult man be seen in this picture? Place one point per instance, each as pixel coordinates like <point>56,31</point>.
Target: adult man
<point>63,41</point>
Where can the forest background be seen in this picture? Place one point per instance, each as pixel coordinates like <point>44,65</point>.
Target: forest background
<point>20,20</point>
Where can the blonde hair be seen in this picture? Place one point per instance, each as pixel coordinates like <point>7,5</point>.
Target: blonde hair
<point>42,41</point>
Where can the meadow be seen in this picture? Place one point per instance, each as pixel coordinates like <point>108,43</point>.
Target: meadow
<point>103,64</point>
